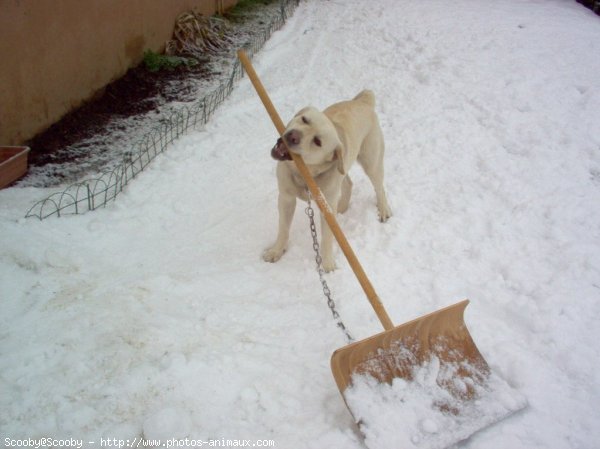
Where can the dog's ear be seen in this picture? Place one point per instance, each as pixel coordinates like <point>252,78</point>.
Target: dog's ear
<point>338,156</point>
<point>338,153</point>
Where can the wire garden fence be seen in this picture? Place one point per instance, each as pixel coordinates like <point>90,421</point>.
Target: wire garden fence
<point>95,193</point>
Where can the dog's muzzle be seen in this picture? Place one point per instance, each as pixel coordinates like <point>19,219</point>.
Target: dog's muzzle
<point>280,152</point>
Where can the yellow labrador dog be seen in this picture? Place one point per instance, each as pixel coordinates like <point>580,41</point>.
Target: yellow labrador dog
<point>329,143</point>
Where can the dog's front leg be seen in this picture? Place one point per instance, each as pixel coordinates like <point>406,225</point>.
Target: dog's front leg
<point>326,234</point>
<point>287,206</point>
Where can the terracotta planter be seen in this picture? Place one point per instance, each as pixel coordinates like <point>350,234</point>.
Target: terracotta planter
<point>13,164</point>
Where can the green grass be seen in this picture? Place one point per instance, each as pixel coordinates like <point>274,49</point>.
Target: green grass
<point>155,62</point>
<point>244,7</point>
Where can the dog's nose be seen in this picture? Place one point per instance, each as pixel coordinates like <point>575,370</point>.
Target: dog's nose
<point>292,137</point>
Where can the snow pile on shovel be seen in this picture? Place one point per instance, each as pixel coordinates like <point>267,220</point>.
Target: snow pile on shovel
<point>422,415</point>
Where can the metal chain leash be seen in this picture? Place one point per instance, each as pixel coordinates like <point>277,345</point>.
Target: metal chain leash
<point>313,230</point>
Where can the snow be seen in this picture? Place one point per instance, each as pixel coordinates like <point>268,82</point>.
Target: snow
<point>156,316</point>
<point>429,415</point>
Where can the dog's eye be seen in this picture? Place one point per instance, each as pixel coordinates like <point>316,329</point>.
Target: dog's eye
<point>317,141</point>
<point>304,120</point>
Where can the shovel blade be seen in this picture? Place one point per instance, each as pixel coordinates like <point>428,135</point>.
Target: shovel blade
<point>423,384</point>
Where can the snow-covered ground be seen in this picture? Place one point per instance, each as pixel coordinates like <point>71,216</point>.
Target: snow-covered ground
<point>157,317</point>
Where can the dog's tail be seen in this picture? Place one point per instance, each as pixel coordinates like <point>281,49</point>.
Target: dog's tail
<point>366,96</point>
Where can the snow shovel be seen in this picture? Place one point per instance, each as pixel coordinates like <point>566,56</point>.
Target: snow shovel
<point>422,384</point>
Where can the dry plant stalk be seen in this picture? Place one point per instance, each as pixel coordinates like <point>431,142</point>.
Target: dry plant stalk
<point>197,35</point>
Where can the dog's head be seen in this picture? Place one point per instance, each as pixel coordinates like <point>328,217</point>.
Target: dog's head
<point>311,135</point>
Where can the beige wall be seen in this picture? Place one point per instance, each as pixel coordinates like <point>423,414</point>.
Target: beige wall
<point>55,54</point>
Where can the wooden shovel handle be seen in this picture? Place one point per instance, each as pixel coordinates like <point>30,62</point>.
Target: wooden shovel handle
<point>320,199</point>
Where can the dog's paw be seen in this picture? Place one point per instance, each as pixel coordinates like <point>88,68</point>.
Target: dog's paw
<point>384,213</point>
<point>329,265</point>
<point>272,254</point>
